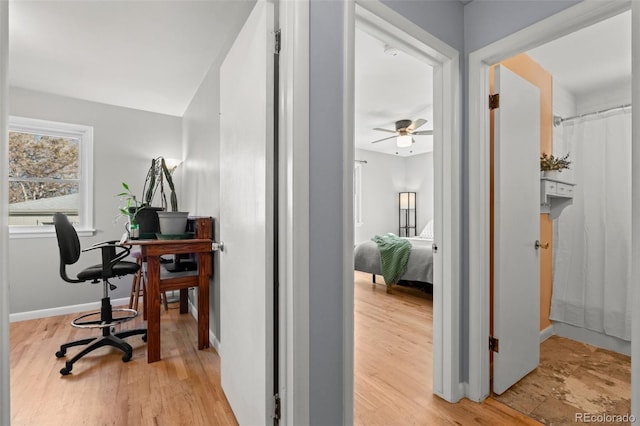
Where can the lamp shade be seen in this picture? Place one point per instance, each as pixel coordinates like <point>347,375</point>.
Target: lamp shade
<point>407,200</point>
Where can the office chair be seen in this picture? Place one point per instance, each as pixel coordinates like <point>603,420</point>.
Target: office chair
<point>112,266</point>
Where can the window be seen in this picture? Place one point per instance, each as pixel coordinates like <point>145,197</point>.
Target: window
<point>50,170</point>
<point>357,194</point>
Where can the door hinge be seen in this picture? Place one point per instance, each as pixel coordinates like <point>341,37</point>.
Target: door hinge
<point>276,414</point>
<point>277,46</point>
<point>494,101</point>
<point>434,247</point>
<point>494,344</point>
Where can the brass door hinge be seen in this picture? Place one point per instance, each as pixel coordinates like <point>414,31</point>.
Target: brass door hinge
<point>494,344</point>
<point>494,101</point>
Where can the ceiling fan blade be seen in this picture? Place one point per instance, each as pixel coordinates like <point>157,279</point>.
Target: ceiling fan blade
<point>423,132</point>
<point>384,139</point>
<point>419,122</point>
<point>384,130</point>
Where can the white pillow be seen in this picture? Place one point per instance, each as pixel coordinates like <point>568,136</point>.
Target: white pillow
<point>427,232</point>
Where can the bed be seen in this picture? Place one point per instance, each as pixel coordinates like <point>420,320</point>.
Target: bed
<point>419,265</point>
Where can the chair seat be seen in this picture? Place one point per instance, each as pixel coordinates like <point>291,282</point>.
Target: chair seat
<point>95,272</point>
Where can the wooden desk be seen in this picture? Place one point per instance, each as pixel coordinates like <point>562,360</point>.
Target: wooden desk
<point>152,250</point>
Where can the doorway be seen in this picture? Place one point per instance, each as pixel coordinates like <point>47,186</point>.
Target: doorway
<point>393,193</point>
<point>572,19</point>
<point>584,211</point>
<point>384,24</point>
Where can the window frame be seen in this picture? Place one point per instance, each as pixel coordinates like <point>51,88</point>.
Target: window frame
<point>85,172</point>
<point>357,194</point>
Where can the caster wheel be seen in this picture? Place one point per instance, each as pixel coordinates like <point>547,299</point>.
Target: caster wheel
<point>144,337</point>
<point>66,370</point>
<point>61,353</point>
<point>126,357</point>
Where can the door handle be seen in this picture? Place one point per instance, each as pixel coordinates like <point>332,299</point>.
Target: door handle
<point>217,246</point>
<point>540,245</point>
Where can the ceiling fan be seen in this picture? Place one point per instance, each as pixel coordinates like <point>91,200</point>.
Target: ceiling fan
<point>404,132</point>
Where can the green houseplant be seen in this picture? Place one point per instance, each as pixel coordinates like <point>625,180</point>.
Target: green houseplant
<point>131,209</point>
<point>142,213</point>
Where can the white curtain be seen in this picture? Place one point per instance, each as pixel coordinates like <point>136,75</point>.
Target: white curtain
<point>592,237</point>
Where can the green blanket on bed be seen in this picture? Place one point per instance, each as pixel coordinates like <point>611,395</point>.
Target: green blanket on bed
<point>394,255</point>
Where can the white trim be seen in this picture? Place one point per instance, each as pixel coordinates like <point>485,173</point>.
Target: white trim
<point>5,400</point>
<point>635,197</point>
<point>546,333</point>
<point>63,310</point>
<point>294,211</point>
<point>379,20</point>
<point>44,232</point>
<point>562,23</point>
<point>348,157</point>
<point>65,130</point>
<point>357,192</point>
<point>213,340</point>
<point>593,338</point>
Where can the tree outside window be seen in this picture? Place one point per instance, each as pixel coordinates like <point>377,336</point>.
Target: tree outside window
<point>46,165</point>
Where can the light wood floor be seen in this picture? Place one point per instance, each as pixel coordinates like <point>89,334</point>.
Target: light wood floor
<point>392,383</point>
<point>393,346</point>
<point>182,389</point>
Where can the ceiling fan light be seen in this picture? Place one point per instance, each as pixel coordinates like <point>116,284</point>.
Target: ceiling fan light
<point>404,141</point>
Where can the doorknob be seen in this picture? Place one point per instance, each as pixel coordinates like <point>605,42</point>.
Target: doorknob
<point>217,246</point>
<point>540,245</point>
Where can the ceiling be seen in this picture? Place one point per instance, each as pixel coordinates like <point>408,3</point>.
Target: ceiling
<point>590,59</point>
<point>389,86</point>
<point>153,55</point>
<point>148,55</point>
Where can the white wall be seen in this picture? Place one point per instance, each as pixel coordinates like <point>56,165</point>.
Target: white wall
<point>201,187</point>
<point>125,140</point>
<point>419,178</point>
<point>383,177</point>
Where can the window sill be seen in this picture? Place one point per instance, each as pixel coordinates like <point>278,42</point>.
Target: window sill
<point>44,232</point>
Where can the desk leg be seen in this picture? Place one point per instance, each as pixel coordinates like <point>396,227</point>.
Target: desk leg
<point>184,300</point>
<point>204,272</point>
<point>153,308</point>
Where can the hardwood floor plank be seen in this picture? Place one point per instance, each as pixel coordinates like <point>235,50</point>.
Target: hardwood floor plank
<point>393,361</point>
<point>392,383</point>
<point>182,389</point>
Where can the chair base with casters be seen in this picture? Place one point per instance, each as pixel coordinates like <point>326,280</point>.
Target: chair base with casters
<point>113,265</point>
<point>106,322</point>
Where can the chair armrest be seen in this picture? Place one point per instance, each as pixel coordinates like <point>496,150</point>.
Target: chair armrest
<point>109,255</point>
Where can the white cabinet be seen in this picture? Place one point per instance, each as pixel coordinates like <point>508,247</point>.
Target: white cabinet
<point>555,195</point>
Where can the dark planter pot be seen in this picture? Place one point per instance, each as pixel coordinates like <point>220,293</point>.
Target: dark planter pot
<point>148,221</point>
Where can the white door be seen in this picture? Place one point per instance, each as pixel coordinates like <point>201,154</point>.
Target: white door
<point>246,218</point>
<point>516,229</point>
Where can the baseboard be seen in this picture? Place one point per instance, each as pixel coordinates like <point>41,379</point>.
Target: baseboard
<point>546,333</point>
<point>213,341</point>
<point>63,310</point>
<point>592,338</point>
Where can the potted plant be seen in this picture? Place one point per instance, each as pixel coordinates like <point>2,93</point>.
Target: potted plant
<point>131,210</point>
<point>174,222</point>
<point>551,166</point>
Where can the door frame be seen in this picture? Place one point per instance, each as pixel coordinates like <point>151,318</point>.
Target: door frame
<point>389,25</point>
<point>565,22</point>
<point>5,401</point>
<point>293,143</point>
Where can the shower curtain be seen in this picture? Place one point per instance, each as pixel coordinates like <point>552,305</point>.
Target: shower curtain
<point>592,237</point>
